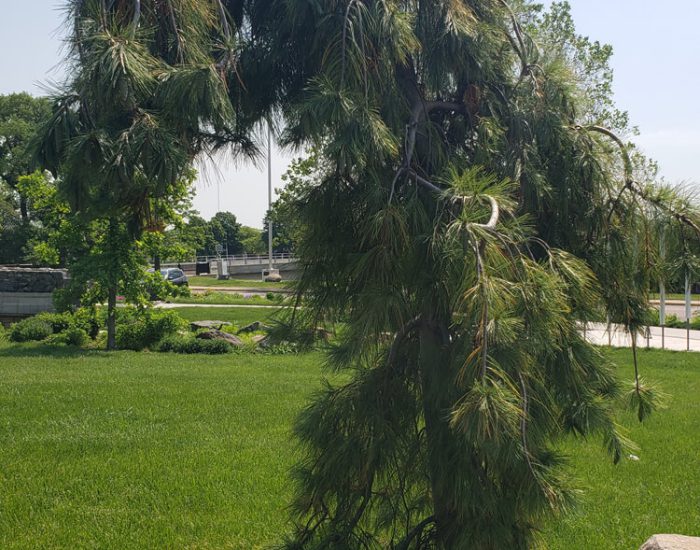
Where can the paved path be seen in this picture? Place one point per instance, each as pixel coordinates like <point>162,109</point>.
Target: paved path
<point>239,290</point>
<point>677,339</point>
<point>677,307</point>
<point>169,305</point>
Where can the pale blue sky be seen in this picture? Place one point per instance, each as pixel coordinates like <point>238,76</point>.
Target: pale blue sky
<point>657,53</point>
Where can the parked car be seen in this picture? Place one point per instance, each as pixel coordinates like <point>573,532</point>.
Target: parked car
<point>173,275</point>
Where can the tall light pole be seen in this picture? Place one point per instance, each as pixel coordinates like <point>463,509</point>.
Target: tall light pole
<point>269,194</point>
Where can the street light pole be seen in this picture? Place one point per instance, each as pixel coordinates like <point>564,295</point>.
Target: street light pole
<point>269,194</point>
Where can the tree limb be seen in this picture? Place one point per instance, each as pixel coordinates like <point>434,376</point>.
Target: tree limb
<point>137,16</point>
<point>421,109</point>
<point>224,20</point>
<point>633,186</point>
<point>415,532</point>
<point>401,336</point>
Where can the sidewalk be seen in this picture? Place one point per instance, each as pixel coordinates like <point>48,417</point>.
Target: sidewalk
<point>239,290</point>
<point>677,339</point>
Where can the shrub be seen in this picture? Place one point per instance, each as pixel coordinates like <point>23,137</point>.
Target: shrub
<point>275,297</point>
<point>132,336</point>
<point>147,329</point>
<point>58,321</point>
<point>3,333</point>
<point>31,329</point>
<point>87,319</point>
<point>74,336</point>
<point>190,345</point>
<point>215,347</point>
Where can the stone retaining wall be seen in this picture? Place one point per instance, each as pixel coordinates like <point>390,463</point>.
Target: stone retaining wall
<point>28,291</point>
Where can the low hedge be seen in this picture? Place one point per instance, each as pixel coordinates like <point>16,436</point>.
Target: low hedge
<point>32,329</point>
<point>191,345</point>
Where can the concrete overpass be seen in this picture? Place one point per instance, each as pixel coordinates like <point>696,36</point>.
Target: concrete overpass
<point>244,266</point>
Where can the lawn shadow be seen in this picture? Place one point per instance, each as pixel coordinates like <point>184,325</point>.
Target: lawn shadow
<point>48,350</point>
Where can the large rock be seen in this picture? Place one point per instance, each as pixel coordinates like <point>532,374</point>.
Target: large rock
<point>671,542</point>
<point>215,334</point>
<point>253,327</point>
<point>218,325</point>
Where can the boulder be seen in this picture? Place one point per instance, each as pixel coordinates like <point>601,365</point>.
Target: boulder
<point>215,334</point>
<point>671,542</point>
<point>253,327</point>
<point>218,325</point>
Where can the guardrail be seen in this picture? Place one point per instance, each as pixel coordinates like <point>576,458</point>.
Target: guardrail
<point>248,258</point>
<point>244,263</point>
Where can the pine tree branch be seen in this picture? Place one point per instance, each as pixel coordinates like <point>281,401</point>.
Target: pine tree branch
<point>346,20</point>
<point>176,30</point>
<point>401,335</point>
<point>224,20</point>
<point>633,186</point>
<point>523,425</point>
<point>137,17</point>
<point>415,532</point>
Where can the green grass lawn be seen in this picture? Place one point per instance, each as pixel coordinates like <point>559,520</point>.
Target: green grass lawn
<point>146,450</point>
<point>243,283</point>
<point>623,505</point>
<point>127,450</point>
<point>212,297</point>
<point>675,296</point>
<point>239,316</point>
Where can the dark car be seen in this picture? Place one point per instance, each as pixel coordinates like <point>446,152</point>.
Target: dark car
<point>173,275</point>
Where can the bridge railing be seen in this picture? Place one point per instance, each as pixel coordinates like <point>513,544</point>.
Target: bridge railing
<point>252,259</point>
<point>234,261</point>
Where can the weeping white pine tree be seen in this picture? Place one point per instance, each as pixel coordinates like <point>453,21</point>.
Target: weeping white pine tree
<point>472,206</point>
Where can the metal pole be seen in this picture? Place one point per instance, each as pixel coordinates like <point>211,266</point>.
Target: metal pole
<point>662,292</point>
<point>269,194</point>
<point>687,310</point>
<point>662,312</point>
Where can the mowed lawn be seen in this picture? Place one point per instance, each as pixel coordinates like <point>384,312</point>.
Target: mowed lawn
<point>239,316</point>
<point>236,283</point>
<point>127,450</point>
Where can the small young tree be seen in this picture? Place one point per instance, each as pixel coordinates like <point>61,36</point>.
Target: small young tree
<point>148,90</point>
<point>20,116</point>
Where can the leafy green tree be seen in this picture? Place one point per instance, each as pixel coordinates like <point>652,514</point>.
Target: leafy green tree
<point>165,236</point>
<point>226,231</point>
<point>20,116</point>
<point>302,175</point>
<point>147,92</point>
<point>251,240</point>
<point>13,231</point>
<point>200,230</point>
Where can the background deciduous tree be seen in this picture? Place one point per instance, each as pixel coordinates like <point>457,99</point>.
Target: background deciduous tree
<point>148,90</point>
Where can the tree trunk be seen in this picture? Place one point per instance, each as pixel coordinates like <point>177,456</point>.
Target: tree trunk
<point>23,208</point>
<point>156,263</point>
<point>111,318</point>
<point>435,385</point>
